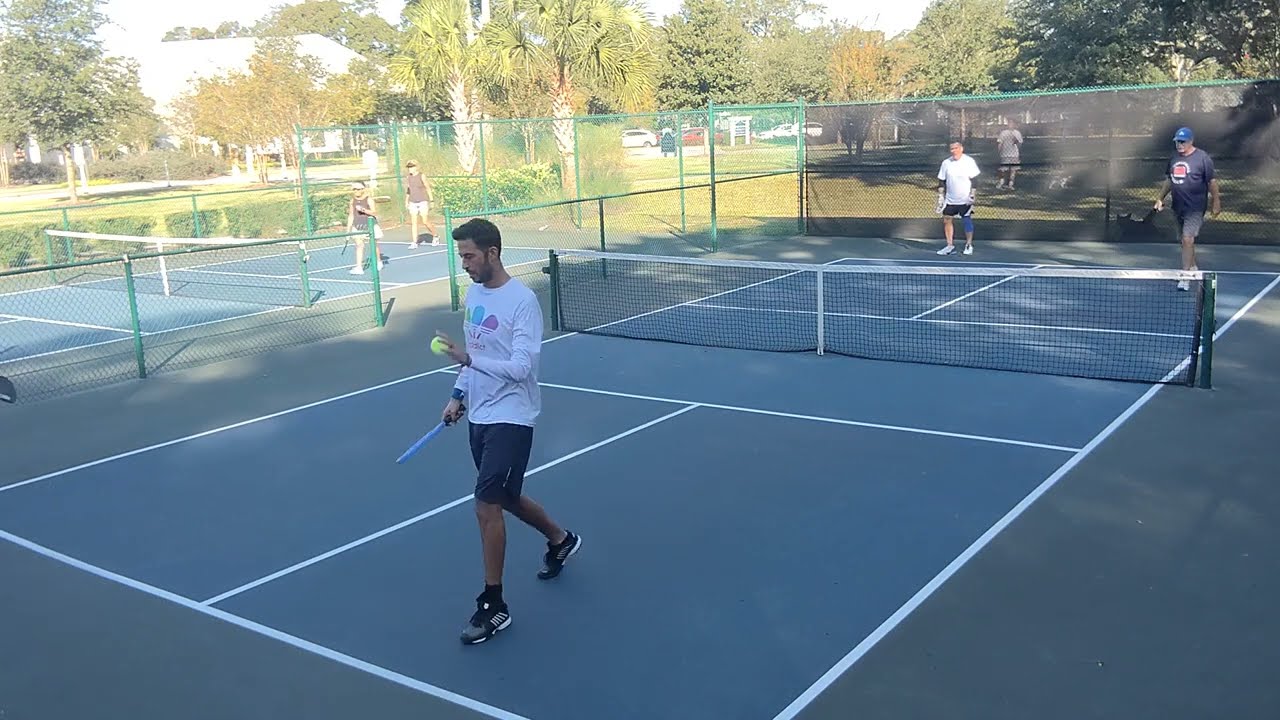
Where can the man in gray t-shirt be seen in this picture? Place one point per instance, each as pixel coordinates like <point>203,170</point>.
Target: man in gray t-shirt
<point>418,203</point>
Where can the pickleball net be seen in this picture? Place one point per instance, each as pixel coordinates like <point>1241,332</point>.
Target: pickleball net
<point>270,271</point>
<point>1111,324</point>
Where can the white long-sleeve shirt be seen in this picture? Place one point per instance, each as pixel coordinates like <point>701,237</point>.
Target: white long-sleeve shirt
<point>503,331</point>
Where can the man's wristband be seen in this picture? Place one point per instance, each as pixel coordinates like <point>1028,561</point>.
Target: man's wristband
<point>457,394</point>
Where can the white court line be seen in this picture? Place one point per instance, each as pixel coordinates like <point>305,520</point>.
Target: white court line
<point>967,295</point>
<point>814,418</point>
<point>270,632</point>
<point>867,316</point>
<point>231,274</point>
<point>833,674</point>
<point>7,320</point>
<point>65,322</point>
<point>433,512</point>
<point>998,265</point>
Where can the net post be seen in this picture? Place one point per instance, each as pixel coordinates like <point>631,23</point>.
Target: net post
<point>134,322</point>
<point>1209,290</point>
<point>195,217</point>
<point>553,269</point>
<point>711,160</point>
<point>577,174</point>
<point>304,274</point>
<point>307,211</point>
<point>453,261</point>
<point>680,169</point>
<point>395,154</point>
<point>821,313</point>
<point>604,271</point>
<point>375,257</point>
<point>484,167</point>
<point>800,136</point>
<point>67,241</point>
<point>48,251</point>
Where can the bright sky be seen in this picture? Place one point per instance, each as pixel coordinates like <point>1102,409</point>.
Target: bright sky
<point>141,21</point>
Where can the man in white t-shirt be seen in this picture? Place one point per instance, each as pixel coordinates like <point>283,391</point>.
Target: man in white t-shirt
<point>498,380</point>
<point>956,195</point>
<point>1009,143</point>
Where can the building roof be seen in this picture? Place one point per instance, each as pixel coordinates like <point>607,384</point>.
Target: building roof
<point>168,69</point>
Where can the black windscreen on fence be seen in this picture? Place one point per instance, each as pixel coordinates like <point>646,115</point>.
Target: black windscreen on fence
<point>1089,166</point>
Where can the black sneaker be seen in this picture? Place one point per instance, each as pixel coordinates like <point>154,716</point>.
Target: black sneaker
<point>553,561</point>
<point>486,622</point>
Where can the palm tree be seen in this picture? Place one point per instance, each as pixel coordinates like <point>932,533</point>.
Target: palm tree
<point>562,42</point>
<point>443,47</point>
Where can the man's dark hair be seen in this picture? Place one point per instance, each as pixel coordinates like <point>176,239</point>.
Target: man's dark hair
<point>481,232</point>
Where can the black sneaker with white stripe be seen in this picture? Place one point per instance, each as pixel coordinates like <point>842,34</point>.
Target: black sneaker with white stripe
<point>553,561</point>
<point>489,618</point>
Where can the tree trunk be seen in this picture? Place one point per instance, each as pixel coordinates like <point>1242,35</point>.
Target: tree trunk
<point>70,162</point>
<point>464,132</point>
<point>563,130</point>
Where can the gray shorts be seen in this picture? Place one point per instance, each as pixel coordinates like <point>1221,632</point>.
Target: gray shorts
<point>1189,224</point>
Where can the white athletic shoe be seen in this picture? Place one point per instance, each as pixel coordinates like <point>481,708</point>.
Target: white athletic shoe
<point>947,250</point>
<point>356,271</point>
<point>968,249</point>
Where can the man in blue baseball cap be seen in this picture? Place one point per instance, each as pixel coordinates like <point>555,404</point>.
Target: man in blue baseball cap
<point>1190,177</point>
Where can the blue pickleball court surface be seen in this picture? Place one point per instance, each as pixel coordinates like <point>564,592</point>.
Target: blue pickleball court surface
<point>89,306</point>
<point>748,519</point>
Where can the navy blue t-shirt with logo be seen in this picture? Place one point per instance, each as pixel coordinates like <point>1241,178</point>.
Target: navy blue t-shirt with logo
<point>1190,176</point>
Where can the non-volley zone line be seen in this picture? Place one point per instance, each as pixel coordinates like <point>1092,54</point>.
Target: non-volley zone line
<point>868,316</point>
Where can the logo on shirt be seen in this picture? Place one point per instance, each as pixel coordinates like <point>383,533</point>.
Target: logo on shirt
<point>481,322</point>
<point>1181,170</point>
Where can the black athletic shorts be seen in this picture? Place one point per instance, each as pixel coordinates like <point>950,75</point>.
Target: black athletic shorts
<point>501,454</point>
<point>958,210</point>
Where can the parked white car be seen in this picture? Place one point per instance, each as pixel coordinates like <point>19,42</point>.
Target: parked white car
<point>777,131</point>
<point>638,138</point>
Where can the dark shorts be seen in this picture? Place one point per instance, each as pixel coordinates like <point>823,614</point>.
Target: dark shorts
<point>958,210</point>
<point>1189,223</point>
<point>501,454</point>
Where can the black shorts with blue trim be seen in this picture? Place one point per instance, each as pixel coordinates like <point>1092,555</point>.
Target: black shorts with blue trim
<point>501,454</point>
<point>958,210</point>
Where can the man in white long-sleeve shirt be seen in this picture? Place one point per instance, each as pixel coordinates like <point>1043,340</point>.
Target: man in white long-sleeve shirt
<point>498,386</point>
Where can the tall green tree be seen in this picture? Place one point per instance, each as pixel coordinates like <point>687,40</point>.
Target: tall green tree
<point>280,90</point>
<point>1079,43</point>
<point>570,44</point>
<point>961,46</point>
<point>768,18</point>
<point>354,24</point>
<point>55,81</point>
<point>442,48</point>
<point>704,57</point>
<point>791,63</point>
<point>1242,36</point>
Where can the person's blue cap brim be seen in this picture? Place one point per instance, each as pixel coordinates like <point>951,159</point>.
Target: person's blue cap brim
<point>1184,134</point>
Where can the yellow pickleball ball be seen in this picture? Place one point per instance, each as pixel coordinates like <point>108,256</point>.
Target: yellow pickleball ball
<point>437,346</point>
